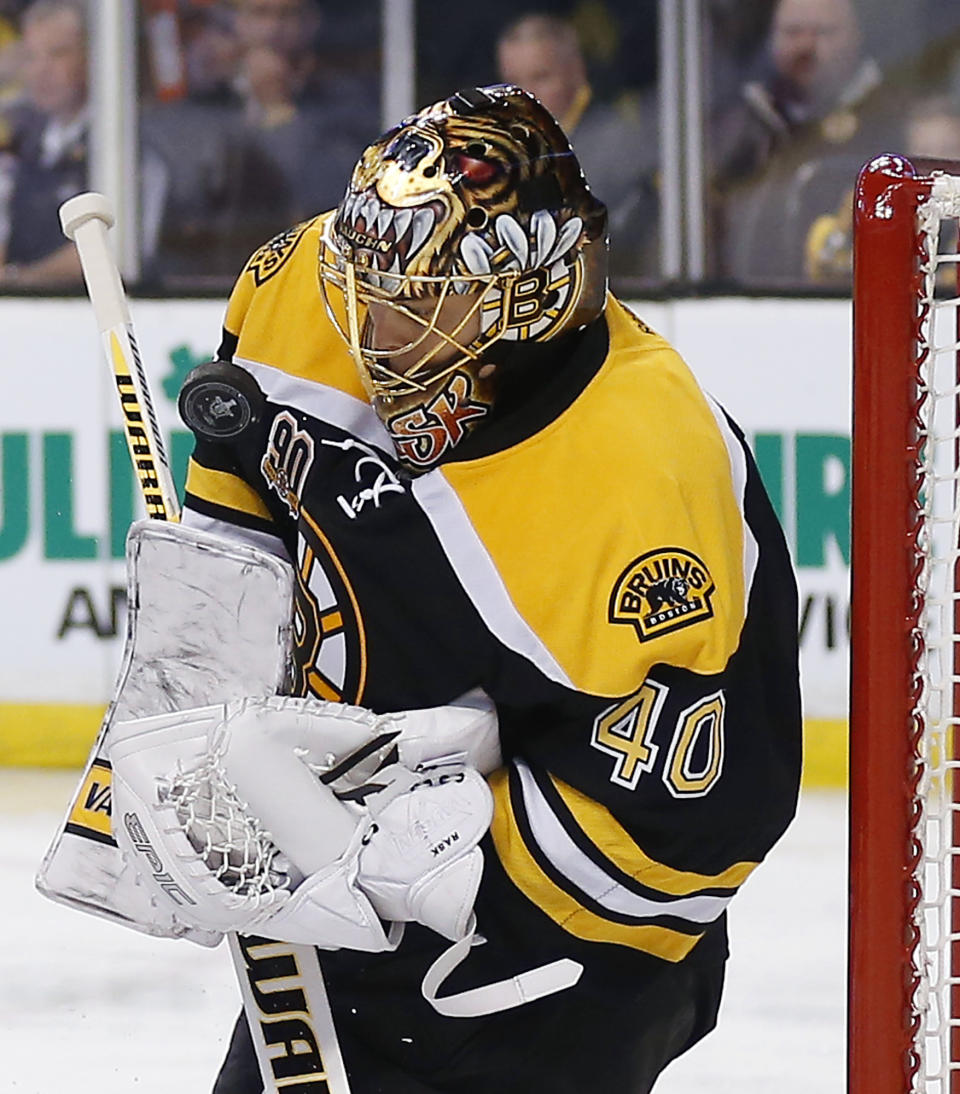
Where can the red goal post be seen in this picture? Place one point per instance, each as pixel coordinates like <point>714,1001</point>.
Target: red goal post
<point>904,956</point>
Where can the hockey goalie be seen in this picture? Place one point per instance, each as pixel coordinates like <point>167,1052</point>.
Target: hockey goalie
<point>543,713</point>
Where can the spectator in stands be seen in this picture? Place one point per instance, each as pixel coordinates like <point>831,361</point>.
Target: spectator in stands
<point>737,33</point>
<point>933,129</point>
<point>223,34</point>
<point>49,146</point>
<point>785,154</point>
<point>295,30</point>
<point>265,137</point>
<point>10,91</point>
<point>44,140</point>
<point>271,85</point>
<point>931,133</point>
<point>9,52</point>
<point>542,54</point>
<point>287,27</point>
<point>287,155</point>
<point>211,52</point>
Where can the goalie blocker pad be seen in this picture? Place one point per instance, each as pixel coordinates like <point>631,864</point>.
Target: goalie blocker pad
<point>208,619</point>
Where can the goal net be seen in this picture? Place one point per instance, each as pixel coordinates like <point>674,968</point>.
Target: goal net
<point>904,982</point>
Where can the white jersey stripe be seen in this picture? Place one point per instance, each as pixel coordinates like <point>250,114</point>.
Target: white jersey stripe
<point>479,576</point>
<point>568,859</point>
<point>321,401</point>
<point>273,545</point>
<point>738,471</point>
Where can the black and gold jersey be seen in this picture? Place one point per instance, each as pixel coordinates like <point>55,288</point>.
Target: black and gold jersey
<point>601,560</point>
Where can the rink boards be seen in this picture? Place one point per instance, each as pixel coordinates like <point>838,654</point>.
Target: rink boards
<point>780,367</point>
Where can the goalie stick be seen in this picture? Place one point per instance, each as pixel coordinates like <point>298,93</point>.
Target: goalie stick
<point>281,984</point>
<point>85,220</point>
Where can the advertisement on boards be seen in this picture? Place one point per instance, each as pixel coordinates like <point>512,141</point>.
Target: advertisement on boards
<point>67,494</point>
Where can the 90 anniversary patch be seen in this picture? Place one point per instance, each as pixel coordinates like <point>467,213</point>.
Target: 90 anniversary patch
<point>662,591</point>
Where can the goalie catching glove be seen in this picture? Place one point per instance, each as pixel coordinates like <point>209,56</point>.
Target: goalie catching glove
<point>250,817</point>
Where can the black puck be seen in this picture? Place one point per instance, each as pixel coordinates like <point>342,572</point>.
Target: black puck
<point>219,401</point>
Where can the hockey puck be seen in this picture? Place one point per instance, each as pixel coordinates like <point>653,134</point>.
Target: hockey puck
<point>219,401</point>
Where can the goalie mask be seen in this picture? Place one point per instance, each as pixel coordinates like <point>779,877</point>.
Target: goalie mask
<point>468,224</point>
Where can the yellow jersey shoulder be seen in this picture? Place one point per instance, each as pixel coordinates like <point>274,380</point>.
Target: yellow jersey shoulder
<point>617,530</point>
<point>279,317</point>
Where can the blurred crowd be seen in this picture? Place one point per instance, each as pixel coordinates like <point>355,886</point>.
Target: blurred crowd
<point>43,138</point>
<point>252,113</point>
<point>785,150</point>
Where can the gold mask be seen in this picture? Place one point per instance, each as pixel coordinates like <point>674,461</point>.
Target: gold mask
<point>472,221</point>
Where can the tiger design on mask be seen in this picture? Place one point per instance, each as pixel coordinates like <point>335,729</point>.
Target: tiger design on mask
<point>480,196</point>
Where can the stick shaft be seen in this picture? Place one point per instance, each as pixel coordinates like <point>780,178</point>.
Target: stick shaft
<point>288,1015</point>
<point>85,220</point>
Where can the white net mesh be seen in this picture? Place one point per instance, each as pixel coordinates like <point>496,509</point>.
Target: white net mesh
<point>936,710</point>
<point>232,843</point>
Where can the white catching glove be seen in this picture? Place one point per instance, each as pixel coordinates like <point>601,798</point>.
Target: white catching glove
<point>421,861</point>
<point>224,815</point>
<point>346,745</point>
<point>182,815</point>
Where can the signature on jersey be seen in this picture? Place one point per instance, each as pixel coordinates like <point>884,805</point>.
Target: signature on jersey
<point>371,469</point>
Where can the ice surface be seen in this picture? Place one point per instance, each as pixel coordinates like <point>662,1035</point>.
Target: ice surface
<point>782,1022</point>
<point>93,1008</point>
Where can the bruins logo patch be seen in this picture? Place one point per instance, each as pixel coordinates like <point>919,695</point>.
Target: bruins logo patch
<point>271,256</point>
<point>662,591</point>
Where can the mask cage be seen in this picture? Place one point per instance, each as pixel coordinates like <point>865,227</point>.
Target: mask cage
<point>397,291</point>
